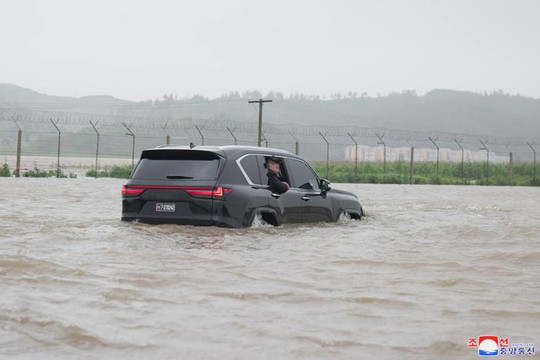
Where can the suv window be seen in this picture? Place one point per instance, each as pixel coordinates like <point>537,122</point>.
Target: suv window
<point>263,170</point>
<point>302,175</point>
<point>177,165</point>
<point>251,168</point>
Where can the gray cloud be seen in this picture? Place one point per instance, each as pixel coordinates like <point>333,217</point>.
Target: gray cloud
<point>143,49</point>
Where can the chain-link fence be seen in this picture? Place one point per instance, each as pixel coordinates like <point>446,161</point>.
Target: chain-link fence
<point>97,140</point>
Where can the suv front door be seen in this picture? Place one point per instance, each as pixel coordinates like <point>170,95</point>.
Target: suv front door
<point>288,205</point>
<point>316,206</point>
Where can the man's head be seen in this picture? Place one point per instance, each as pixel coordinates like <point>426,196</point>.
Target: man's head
<point>273,164</point>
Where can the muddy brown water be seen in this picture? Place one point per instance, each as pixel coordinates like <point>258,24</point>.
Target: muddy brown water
<point>428,268</point>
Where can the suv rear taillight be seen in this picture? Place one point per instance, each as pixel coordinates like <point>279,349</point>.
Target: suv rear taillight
<point>131,191</point>
<point>216,193</point>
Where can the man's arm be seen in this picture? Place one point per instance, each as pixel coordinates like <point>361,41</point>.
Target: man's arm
<point>276,185</point>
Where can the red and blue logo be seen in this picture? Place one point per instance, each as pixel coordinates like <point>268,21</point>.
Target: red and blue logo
<point>488,345</point>
<point>493,345</point>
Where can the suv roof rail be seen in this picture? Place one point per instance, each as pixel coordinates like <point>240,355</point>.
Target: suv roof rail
<point>165,145</point>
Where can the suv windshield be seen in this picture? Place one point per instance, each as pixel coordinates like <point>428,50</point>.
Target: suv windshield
<point>177,164</point>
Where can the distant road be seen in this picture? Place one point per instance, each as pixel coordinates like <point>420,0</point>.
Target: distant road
<point>66,162</point>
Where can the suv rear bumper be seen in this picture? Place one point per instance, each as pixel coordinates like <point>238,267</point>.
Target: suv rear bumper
<point>157,221</point>
<point>218,221</point>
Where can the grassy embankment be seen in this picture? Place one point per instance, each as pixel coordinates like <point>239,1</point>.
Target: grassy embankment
<point>426,173</point>
<point>120,172</point>
<point>35,172</point>
<point>396,173</point>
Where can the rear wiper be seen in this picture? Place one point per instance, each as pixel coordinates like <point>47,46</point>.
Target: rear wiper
<point>179,177</point>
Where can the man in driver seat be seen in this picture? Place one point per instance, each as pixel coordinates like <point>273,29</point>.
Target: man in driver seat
<point>276,183</point>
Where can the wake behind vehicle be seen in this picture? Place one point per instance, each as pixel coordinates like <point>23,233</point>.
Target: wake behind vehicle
<point>227,186</point>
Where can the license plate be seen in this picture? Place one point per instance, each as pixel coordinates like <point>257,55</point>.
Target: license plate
<point>162,207</point>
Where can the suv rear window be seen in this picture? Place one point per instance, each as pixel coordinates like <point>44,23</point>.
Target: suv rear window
<point>251,167</point>
<point>177,165</point>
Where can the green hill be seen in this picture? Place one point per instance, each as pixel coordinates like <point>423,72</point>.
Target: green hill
<point>16,96</point>
<point>439,110</point>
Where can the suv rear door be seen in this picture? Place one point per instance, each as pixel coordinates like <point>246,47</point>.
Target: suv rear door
<point>173,185</point>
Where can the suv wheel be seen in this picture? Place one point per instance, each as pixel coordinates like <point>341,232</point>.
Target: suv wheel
<point>263,219</point>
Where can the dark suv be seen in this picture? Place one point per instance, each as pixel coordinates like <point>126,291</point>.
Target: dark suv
<point>227,186</point>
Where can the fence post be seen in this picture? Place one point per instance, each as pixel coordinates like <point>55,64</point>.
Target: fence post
<point>510,165</point>
<point>18,164</point>
<point>263,138</point>
<point>355,156</point>
<point>327,153</point>
<point>97,147</point>
<point>411,168</point>
<point>200,133</point>
<point>534,160</point>
<point>437,146</point>
<point>59,137</point>
<point>296,144</point>
<point>232,134</point>
<point>19,144</point>
<point>167,136</point>
<point>511,168</point>
<point>130,133</point>
<point>381,142</point>
<point>462,159</point>
<point>484,147</point>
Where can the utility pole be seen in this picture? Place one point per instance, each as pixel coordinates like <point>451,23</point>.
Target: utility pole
<point>264,139</point>
<point>260,101</point>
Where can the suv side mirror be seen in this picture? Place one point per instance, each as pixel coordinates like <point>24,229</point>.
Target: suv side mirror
<point>325,185</point>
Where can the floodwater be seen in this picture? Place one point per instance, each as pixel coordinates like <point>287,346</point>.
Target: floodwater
<point>428,268</point>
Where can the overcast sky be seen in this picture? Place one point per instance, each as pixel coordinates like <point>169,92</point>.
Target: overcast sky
<point>138,50</point>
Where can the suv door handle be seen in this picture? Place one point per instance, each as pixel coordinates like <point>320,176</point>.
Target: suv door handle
<point>275,195</point>
<point>306,198</point>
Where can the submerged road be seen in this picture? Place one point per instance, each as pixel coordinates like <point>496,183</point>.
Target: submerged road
<point>428,268</point>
